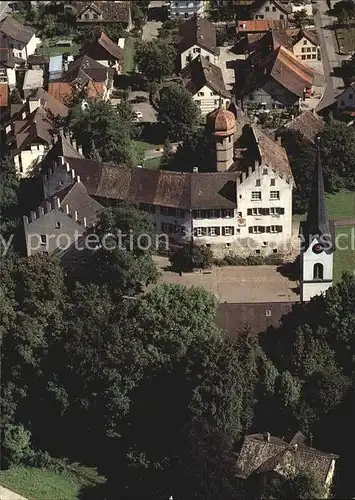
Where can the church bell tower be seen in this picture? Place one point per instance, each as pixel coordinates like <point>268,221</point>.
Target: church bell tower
<point>317,237</point>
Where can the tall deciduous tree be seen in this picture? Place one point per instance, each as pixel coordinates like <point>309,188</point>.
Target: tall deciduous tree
<point>155,59</point>
<point>178,112</point>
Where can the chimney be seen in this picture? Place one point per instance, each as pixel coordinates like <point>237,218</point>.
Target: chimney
<point>67,209</point>
<point>72,173</point>
<point>77,178</point>
<point>76,215</point>
<point>84,222</point>
<point>56,202</point>
<point>267,436</point>
<point>67,166</point>
<point>195,170</point>
<point>61,160</point>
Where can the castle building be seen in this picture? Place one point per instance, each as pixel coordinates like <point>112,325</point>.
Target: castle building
<point>244,205</point>
<point>317,240</point>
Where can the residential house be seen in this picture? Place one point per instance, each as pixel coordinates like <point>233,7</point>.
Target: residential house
<point>271,9</point>
<point>197,36</point>
<point>34,79</point>
<point>101,13</point>
<point>106,52</point>
<point>305,44</point>
<point>276,81</point>
<point>184,9</point>
<point>308,124</point>
<point>240,205</point>
<point>20,39</point>
<point>263,455</point>
<point>84,74</point>
<point>29,132</point>
<point>7,68</point>
<point>258,26</point>
<point>205,83</point>
<point>345,101</point>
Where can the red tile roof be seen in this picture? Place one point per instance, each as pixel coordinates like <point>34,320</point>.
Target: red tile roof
<point>4,95</point>
<point>259,25</point>
<point>61,91</point>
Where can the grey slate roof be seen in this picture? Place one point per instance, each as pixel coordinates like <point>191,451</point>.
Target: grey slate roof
<point>197,31</point>
<point>200,72</point>
<point>15,30</point>
<point>258,455</point>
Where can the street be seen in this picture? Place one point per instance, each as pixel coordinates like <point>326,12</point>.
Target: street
<point>330,55</point>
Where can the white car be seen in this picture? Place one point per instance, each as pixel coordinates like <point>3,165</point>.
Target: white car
<point>138,114</point>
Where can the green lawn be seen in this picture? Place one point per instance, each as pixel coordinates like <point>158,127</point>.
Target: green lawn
<point>129,55</point>
<point>43,484</point>
<point>152,163</point>
<point>345,38</point>
<point>339,206</point>
<point>344,259</point>
<point>48,47</point>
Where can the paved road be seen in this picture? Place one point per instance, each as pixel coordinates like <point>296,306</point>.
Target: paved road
<point>6,494</point>
<point>330,57</point>
<point>149,113</point>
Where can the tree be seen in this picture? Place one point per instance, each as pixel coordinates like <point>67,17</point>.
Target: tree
<point>166,156</point>
<point>188,258</point>
<point>109,129</point>
<point>124,262</point>
<point>155,59</point>
<point>178,112</point>
<point>15,444</point>
<point>138,16</point>
<point>15,96</point>
<point>344,11</point>
<point>338,145</point>
<point>300,18</point>
<point>9,186</point>
<point>302,485</point>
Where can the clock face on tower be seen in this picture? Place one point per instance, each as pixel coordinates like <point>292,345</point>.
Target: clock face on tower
<point>317,248</point>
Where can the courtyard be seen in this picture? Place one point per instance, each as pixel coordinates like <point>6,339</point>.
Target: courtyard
<point>235,283</point>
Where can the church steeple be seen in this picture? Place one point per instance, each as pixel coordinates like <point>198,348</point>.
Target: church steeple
<point>317,224</point>
<point>317,240</point>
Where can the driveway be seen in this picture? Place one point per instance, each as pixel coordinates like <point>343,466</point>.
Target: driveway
<point>140,102</point>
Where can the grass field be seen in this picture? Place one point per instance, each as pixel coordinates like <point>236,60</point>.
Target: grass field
<point>129,55</point>
<point>43,484</point>
<point>48,47</point>
<point>344,260</point>
<point>152,163</point>
<point>339,206</point>
<point>345,38</point>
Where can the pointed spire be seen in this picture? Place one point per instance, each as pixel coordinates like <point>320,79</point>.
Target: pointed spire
<point>317,222</point>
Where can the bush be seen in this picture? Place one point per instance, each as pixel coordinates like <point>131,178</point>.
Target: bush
<point>232,259</point>
<point>16,448</point>
<point>188,258</point>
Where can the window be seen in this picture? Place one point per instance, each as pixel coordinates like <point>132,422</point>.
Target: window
<point>58,225</point>
<point>272,211</point>
<point>281,16</point>
<point>272,182</point>
<point>198,102</point>
<point>342,103</point>
<point>228,245</point>
<point>267,9</point>
<point>256,229</point>
<point>308,49</point>
<point>197,50</point>
<point>164,210</point>
<point>212,231</point>
<point>86,16</point>
<point>318,271</point>
<point>256,195</point>
<point>274,9</point>
<point>264,171</point>
<point>226,231</point>
<point>43,239</point>
<point>258,183</point>
<point>274,229</point>
<point>314,49</point>
<point>257,252</point>
<point>208,58</point>
<point>314,56</point>
<point>237,231</point>
<point>274,250</point>
<point>303,49</point>
<point>198,214</point>
<point>309,56</point>
<point>216,102</point>
<point>251,97</point>
<point>256,211</point>
<point>350,97</point>
<point>227,213</point>
<point>274,195</point>
<point>178,212</point>
<point>268,313</point>
<point>303,57</point>
<point>240,214</point>
<point>201,94</point>
<point>304,42</point>
<point>96,16</point>
<point>20,55</point>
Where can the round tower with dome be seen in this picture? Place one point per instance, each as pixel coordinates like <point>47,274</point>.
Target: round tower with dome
<point>221,124</point>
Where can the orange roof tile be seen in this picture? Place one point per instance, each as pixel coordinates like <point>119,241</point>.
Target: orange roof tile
<point>96,90</point>
<point>60,90</point>
<point>258,25</point>
<point>4,95</point>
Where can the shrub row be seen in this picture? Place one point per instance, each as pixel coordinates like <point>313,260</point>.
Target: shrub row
<point>252,260</point>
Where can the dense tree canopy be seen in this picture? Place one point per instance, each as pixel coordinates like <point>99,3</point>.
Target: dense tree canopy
<point>178,112</point>
<point>107,129</point>
<point>155,59</point>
